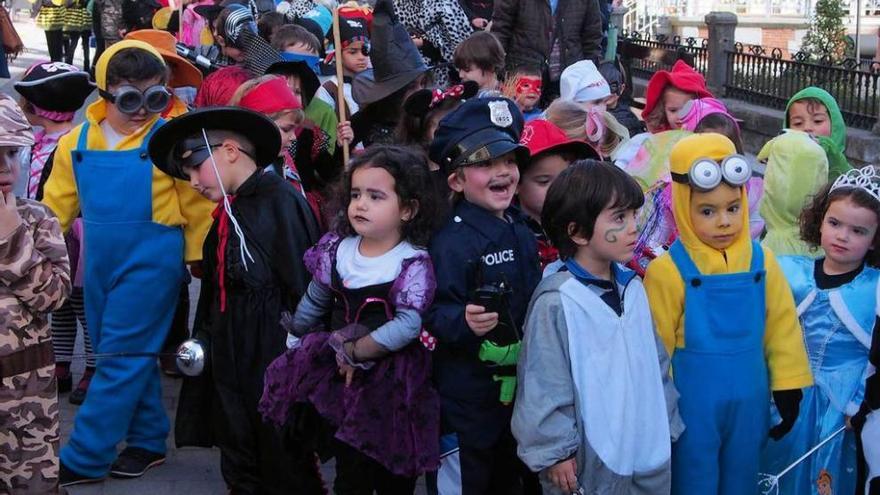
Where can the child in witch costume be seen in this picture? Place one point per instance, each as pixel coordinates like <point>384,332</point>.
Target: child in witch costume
<point>139,228</point>
<point>374,278</point>
<point>253,267</point>
<point>728,321</point>
<point>398,71</point>
<point>51,93</point>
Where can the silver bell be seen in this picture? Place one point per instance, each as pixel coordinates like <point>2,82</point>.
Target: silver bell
<point>191,357</point>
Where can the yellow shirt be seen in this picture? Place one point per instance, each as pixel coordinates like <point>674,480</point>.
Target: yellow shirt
<point>783,338</point>
<point>175,203</point>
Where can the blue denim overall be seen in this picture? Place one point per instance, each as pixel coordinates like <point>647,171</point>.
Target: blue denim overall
<point>721,374</point>
<point>133,272</point>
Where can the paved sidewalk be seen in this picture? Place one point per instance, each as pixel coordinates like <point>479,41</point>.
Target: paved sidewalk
<point>189,471</point>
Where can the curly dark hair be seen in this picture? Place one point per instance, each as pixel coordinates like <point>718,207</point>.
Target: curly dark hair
<point>813,215</point>
<point>412,183</point>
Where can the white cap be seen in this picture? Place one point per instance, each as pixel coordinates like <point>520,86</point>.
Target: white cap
<point>582,82</point>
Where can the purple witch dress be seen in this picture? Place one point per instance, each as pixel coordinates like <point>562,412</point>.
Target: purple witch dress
<point>391,411</point>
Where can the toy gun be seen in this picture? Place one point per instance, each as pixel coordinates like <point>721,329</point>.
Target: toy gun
<point>500,349</point>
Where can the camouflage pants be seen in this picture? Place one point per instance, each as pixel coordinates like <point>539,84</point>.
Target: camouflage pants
<point>29,434</point>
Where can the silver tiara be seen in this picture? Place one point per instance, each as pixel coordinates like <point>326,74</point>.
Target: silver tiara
<point>865,178</point>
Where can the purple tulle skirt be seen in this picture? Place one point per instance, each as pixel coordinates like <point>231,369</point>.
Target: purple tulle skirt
<point>391,412</point>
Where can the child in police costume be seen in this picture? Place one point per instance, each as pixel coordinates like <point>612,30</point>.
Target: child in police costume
<point>254,271</point>
<point>485,244</point>
<point>727,318</point>
<point>139,227</point>
<point>35,279</point>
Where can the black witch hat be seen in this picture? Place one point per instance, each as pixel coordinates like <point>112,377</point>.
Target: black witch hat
<point>396,60</point>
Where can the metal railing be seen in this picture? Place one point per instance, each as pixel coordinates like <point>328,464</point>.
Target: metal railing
<point>756,76</point>
<point>645,68</point>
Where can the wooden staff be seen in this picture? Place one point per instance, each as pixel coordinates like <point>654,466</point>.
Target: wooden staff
<point>340,80</point>
<point>177,5</point>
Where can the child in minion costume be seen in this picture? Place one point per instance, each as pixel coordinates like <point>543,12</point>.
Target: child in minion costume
<point>140,226</point>
<point>726,315</point>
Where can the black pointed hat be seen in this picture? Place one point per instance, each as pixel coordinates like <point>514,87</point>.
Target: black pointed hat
<point>396,60</point>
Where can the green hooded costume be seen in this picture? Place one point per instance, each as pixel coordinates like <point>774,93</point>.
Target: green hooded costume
<point>834,145</point>
<point>797,168</point>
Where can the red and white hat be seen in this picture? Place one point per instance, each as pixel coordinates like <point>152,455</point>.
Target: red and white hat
<point>541,136</point>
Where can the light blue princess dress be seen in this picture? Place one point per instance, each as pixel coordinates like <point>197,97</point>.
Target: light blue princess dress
<point>838,323</point>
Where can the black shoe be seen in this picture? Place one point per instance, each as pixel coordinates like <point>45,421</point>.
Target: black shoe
<point>134,462</point>
<point>66,477</point>
<point>78,396</point>
<point>65,383</point>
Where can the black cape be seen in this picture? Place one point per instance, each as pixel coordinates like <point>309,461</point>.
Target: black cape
<point>220,406</point>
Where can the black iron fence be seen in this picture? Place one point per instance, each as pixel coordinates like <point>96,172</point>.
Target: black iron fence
<point>763,78</point>
<point>647,66</point>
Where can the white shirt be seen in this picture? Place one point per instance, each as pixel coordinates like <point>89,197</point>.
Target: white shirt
<point>112,137</point>
<point>357,270</point>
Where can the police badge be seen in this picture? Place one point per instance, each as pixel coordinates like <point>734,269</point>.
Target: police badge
<point>499,113</point>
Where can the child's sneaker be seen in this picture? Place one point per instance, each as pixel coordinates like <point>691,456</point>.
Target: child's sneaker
<point>66,477</point>
<point>134,462</point>
<point>78,396</point>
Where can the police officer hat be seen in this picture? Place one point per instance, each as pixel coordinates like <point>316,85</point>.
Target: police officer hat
<point>479,130</point>
<point>180,143</point>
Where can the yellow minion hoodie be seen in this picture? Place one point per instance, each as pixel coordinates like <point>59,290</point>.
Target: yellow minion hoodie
<point>175,203</point>
<point>783,337</point>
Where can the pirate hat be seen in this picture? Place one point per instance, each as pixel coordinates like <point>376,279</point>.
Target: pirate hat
<point>55,86</point>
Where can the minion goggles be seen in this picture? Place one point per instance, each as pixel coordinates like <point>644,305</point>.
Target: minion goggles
<point>129,99</point>
<point>706,174</point>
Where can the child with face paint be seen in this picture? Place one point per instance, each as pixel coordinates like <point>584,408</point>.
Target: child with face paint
<point>836,297</point>
<point>814,111</point>
<point>140,226</point>
<point>524,88</point>
<point>252,259</point>
<point>576,419</point>
<point>727,318</point>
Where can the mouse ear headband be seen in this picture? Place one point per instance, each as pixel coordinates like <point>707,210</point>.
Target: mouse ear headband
<point>422,101</point>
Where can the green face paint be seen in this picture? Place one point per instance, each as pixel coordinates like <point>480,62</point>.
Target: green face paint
<point>611,234</point>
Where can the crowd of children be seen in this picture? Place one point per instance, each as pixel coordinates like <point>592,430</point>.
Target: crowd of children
<point>502,291</point>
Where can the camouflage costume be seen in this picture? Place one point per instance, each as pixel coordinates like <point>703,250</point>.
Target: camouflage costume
<point>34,280</point>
